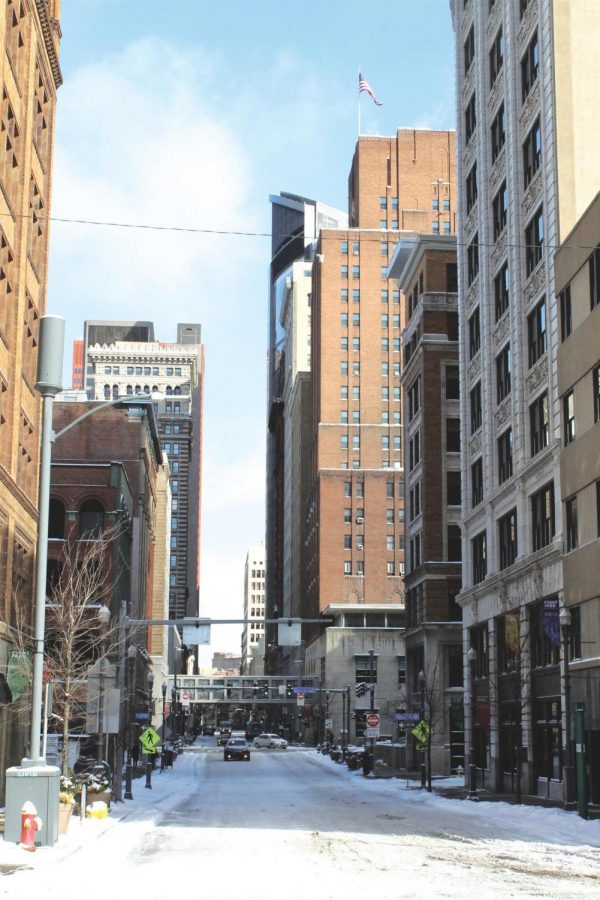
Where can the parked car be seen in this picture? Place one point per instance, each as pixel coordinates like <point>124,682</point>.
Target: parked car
<point>236,748</point>
<point>272,741</point>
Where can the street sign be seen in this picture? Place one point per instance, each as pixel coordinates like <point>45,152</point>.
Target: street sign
<point>421,732</point>
<point>373,720</point>
<point>185,698</point>
<point>196,634</point>
<point>149,738</point>
<point>304,690</point>
<point>406,716</point>
<point>329,723</point>
<point>300,699</point>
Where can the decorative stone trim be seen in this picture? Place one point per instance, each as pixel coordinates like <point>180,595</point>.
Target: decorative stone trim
<point>470,151</point>
<point>492,25</point>
<point>467,88</point>
<point>529,18</point>
<point>496,92</point>
<point>534,189</point>
<point>471,221</point>
<point>498,169</point>
<point>502,329</point>
<point>475,443</point>
<point>538,375</point>
<point>531,104</point>
<point>472,293</point>
<point>48,26</point>
<point>467,18</point>
<point>536,281</point>
<point>503,412</point>
<point>499,248</point>
<point>474,367</point>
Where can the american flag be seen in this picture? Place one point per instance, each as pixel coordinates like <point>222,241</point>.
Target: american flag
<point>363,85</point>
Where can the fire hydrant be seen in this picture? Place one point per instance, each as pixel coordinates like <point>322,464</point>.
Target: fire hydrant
<point>30,823</point>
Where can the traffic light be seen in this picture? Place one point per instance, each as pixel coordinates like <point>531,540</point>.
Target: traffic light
<point>227,690</point>
<point>289,691</point>
<point>361,689</point>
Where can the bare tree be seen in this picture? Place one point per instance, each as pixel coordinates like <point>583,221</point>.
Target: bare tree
<point>432,700</point>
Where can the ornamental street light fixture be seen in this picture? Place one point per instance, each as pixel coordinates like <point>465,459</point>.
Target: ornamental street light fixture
<point>568,774</point>
<point>103,614</point>
<point>131,657</point>
<point>163,689</point>
<point>472,657</point>
<point>150,711</point>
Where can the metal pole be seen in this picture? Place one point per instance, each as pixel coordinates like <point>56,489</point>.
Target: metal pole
<point>128,729</point>
<point>371,705</point>
<point>472,655</point>
<point>422,719</point>
<point>344,727</point>
<point>347,716</point>
<point>569,771</point>
<point>582,795</point>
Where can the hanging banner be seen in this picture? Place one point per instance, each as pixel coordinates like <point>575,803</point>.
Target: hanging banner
<point>511,632</point>
<point>19,673</point>
<point>551,621</point>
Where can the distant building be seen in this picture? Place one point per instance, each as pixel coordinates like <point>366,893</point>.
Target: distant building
<point>31,75</point>
<point>175,372</point>
<point>254,605</point>
<point>223,661</point>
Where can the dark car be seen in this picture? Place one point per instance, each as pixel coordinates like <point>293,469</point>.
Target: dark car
<point>223,736</point>
<point>208,730</point>
<point>236,748</point>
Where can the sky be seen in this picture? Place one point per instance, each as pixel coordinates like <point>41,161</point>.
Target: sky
<point>188,114</point>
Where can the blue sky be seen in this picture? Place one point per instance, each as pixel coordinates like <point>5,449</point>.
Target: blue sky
<point>189,113</point>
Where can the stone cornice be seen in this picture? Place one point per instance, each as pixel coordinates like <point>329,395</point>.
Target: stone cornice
<point>47,25</point>
<point>20,496</point>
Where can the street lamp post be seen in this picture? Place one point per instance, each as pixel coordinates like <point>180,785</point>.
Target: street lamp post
<point>422,719</point>
<point>150,711</point>
<point>131,656</point>
<point>472,657</point>
<point>104,618</point>
<point>163,689</point>
<point>568,774</point>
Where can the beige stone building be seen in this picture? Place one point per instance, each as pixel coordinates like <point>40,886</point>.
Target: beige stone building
<point>577,284</point>
<point>29,35</point>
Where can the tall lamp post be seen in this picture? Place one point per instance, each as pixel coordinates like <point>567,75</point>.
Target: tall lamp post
<point>568,775</point>
<point>472,657</point>
<point>131,657</point>
<point>103,618</point>
<point>422,719</point>
<point>163,689</point>
<point>150,711</point>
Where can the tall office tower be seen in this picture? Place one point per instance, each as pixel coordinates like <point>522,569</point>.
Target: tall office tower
<point>175,371</point>
<point>527,98</point>
<point>254,610</point>
<point>29,38</point>
<point>296,221</point>
<point>426,272</point>
<point>355,527</point>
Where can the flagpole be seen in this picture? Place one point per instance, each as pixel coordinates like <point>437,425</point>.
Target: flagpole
<point>358,101</point>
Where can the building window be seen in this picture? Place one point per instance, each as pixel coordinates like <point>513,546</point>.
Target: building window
<point>414,398</point>
<point>479,641</point>
<point>534,241</point>
<point>344,416</point>
<point>530,65</point>
<point>454,543</point>
<point>356,343</point>
<point>347,542</point>
<point>471,187</point>
<point>347,567</point>
<point>538,420</point>
<point>415,552</point>
<point>360,567</point>
<point>496,57</point>
<point>414,451</point>
<point>478,553</point>
<point>347,515</point>
<point>594,267</point>
<point>569,417</point>
<point>536,328</point>
<point>344,271</point>
<point>344,391</point>
<point>499,211</point>
<point>542,516</point>
<point>344,320</point>
<point>356,271</point>
<point>473,260</point>
<point>344,295</point>
<point>344,248</point>
<point>344,344</point>
<point>414,499</point>
<point>566,323</point>
<point>344,441</point>
<point>501,297</point>
<point>453,488</point>
<point>505,456</point>
<point>390,567</point>
<point>507,539</point>
<point>475,397</point>
<point>474,333</point>
<point>356,441</point>
<point>363,670</point>
<point>532,152</point>
<point>503,365</point>
<point>596,392</point>
<point>571,517</point>
<point>470,118</point>
<point>452,435</point>
<point>356,392</point>
<point>498,131</point>
<point>477,482</point>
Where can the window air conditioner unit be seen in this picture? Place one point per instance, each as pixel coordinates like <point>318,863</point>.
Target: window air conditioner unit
<point>360,546</point>
<point>360,520</point>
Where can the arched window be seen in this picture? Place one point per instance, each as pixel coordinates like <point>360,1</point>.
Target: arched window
<point>129,390</point>
<point>169,391</point>
<point>56,519</point>
<point>138,389</point>
<point>155,389</point>
<point>177,391</point>
<point>146,388</point>
<point>107,391</point>
<point>91,520</point>
<point>115,391</point>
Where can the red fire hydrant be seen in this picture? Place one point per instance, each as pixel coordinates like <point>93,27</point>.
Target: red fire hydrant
<point>30,823</point>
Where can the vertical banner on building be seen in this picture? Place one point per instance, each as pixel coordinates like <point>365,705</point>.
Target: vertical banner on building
<point>511,632</point>
<point>551,621</point>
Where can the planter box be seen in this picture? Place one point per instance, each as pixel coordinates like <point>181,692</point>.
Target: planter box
<point>65,811</point>
<point>92,796</point>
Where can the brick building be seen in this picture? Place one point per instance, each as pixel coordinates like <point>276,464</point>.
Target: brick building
<point>29,38</point>
<point>355,523</point>
<point>427,277</point>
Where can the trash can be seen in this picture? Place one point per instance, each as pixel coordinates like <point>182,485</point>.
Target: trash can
<point>40,784</point>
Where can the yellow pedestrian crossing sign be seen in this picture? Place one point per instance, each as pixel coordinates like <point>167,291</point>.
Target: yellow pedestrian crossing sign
<point>421,731</point>
<point>149,738</point>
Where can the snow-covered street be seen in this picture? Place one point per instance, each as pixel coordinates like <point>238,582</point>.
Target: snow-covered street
<point>292,824</point>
